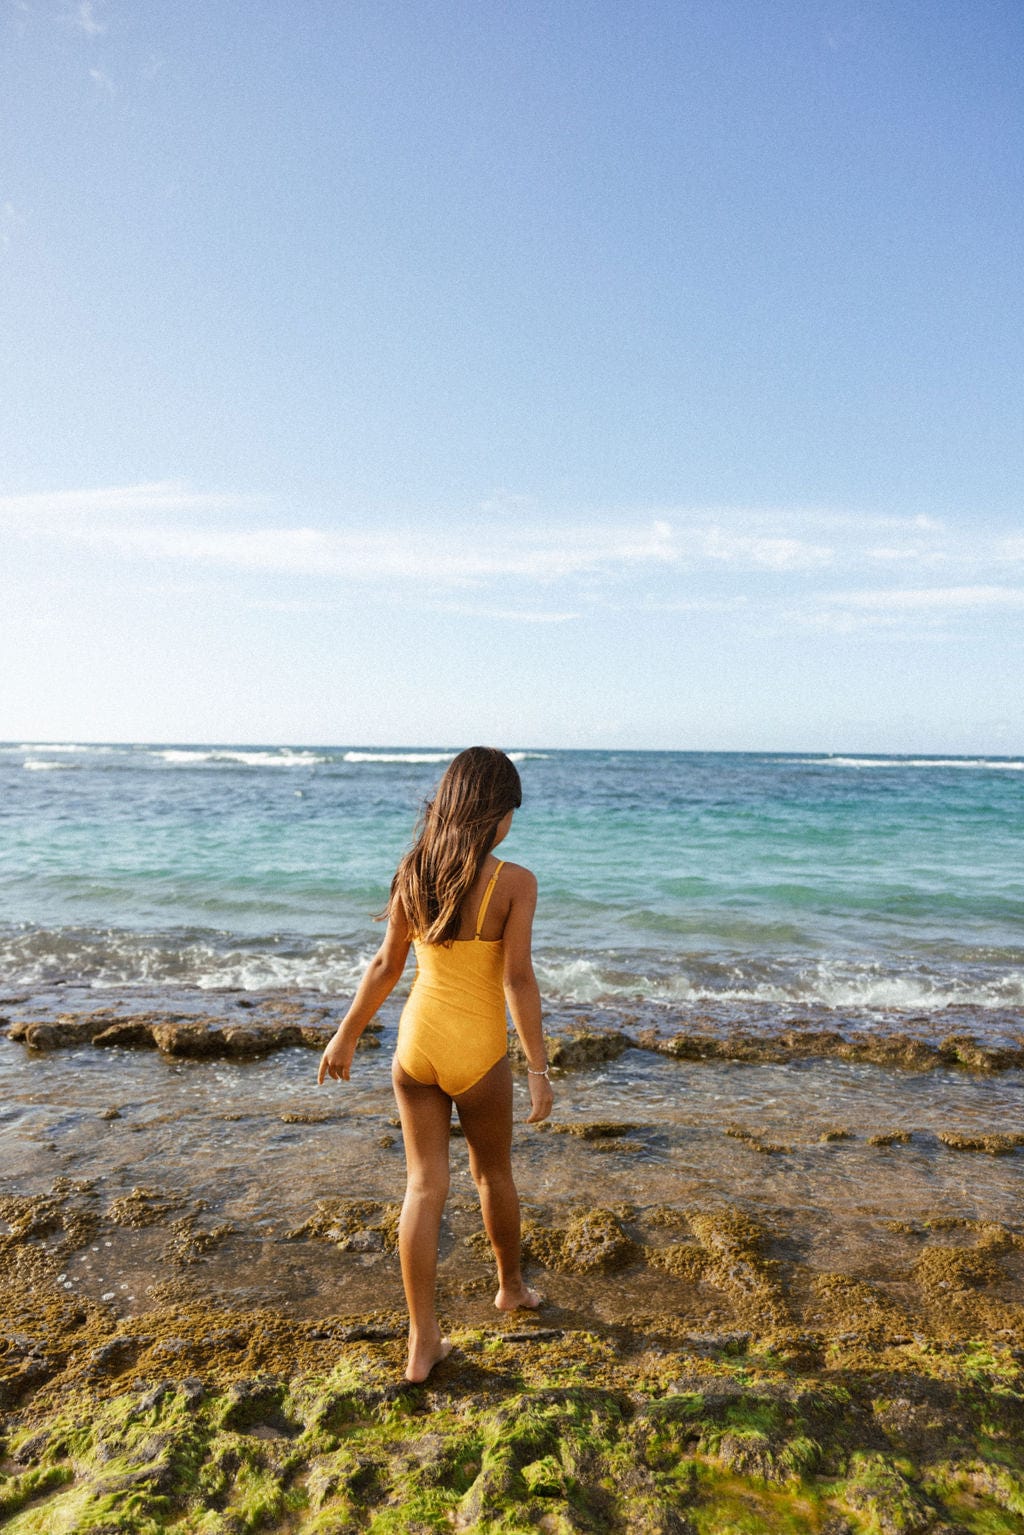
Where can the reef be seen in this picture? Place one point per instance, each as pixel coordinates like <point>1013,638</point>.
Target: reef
<point>690,1373</point>
<point>271,1024</point>
<point>212,1037</point>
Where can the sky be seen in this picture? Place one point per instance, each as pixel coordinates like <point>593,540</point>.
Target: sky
<point>560,374</point>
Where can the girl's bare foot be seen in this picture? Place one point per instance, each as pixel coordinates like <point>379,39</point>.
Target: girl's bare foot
<point>424,1356</point>
<point>518,1297</point>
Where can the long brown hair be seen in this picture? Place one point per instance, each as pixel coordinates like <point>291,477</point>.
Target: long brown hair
<point>455,833</point>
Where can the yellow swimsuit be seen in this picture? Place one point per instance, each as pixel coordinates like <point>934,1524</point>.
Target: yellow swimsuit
<point>452,1029</point>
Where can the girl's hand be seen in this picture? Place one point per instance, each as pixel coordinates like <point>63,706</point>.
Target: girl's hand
<point>336,1060</point>
<point>541,1098</point>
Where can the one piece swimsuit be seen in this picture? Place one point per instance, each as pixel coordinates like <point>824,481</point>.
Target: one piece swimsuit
<point>453,1029</point>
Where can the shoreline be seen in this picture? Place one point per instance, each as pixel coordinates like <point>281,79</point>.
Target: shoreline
<point>213,1418</point>
<point>784,1283</point>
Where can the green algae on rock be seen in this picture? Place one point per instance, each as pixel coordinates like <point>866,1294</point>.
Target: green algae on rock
<point>677,1442</point>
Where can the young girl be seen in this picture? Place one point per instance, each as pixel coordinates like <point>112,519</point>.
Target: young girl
<point>469,917</point>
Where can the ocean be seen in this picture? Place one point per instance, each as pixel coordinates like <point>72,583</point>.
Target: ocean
<point>668,880</point>
<point>787,984</point>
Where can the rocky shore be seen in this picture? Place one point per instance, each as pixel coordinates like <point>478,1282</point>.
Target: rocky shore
<point>272,1024</point>
<point>763,1312</point>
<point>688,1373</point>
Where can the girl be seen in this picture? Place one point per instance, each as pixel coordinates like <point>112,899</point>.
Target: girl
<point>469,917</point>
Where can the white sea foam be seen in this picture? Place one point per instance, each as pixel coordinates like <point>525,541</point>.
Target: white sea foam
<point>397,756</point>
<point>830,985</point>
<point>107,958</point>
<point>994,763</point>
<point>433,757</point>
<point>282,757</point>
<point>59,746</point>
<point>40,765</point>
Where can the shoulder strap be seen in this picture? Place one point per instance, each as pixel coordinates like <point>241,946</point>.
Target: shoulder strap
<point>481,914</point>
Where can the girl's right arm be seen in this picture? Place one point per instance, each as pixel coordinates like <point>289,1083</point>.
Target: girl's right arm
<point>523,994</point>
<point>378,982</point>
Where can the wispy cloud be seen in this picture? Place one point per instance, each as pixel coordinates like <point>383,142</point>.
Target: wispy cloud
<point>508,563</point>
<point>151,498</point>
<point>85,18</point>
<point>923,611</point>
<point>11,220</point>
<point>766,553</point>
<point>917,599</point>
<point>102,82</point>
<point>448,556</point>
<point>502,615</point>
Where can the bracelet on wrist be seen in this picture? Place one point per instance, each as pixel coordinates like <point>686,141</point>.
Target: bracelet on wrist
<point>537,1073</point>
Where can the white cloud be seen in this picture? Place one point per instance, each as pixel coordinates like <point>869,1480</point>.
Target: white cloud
<point>925,611</point>
<point>11,219</point>
<point>766,553</point>
<point>887,553</point>
<point>102,81</point>
<point>447,555</point>
<point>503,615</point>
<point>450,554</point>
<point>918,599</point>
<point>164,497</point>
<point>85,18</point>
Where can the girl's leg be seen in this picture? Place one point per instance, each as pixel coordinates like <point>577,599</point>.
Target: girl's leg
<point>485,1113</point>
<point>426,1114</point>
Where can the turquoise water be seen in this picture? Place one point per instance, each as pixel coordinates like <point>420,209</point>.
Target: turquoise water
<point>884,884</point>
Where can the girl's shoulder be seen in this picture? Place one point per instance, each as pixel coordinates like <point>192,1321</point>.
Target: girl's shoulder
<point>516,877</point>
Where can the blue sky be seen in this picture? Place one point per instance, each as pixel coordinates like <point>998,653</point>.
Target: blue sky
<point>569,374</point>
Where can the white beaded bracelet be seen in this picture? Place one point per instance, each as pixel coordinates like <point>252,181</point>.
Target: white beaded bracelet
<point>537,1073</point>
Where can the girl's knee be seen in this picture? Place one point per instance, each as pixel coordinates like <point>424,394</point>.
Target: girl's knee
<point>427,1190</point>
<point>494,1179</point>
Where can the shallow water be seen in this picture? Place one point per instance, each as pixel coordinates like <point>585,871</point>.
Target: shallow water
<point>218,1142</point>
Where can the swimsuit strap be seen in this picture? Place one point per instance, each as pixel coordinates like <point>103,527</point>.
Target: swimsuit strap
<point>481,914</point>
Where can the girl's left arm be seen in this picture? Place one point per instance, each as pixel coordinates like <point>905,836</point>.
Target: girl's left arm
<point>379,981</point>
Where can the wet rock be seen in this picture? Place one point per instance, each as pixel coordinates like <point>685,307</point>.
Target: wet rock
<point>315,1037</point>
<point>592,1242</point>
<point>362,1242</point>
<point>940,1269</point>
<point>756,1142</point>
<point>21,1374</point>
<point>49,1036</point>
<point>110,1113</point>
<point>194,1039</point>
<point>965,1050</point>
<point>683,1259</point>
<point>734,1262</point>
<point>115,1356</point>
<point>533,1335</point>
<point>889,1138</point>
<point>251,1042</point>
<point>338,1220</point>
<point>876,1488</point>
<point>142,1207</point>
<point>854,1311</point>
<point>997,1144</point>
<point>591,1129</point>
<point>369,1332</point>
<point>189,1245</point>
<point>257,1403</point>
<point>573,1052</point>
<point>130,1034</point>
<point>151,1398</point>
